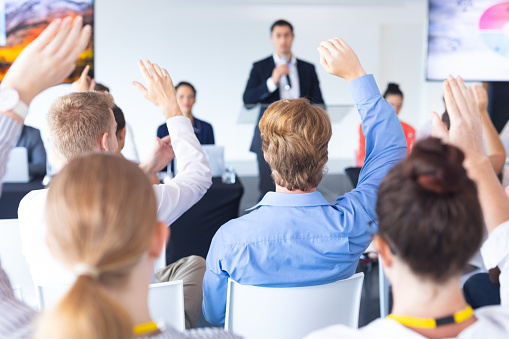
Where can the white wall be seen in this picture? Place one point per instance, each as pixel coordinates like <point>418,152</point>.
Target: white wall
<point>212,44</point>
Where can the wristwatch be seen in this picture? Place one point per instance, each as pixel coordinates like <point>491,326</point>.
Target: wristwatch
<point>10,101</point>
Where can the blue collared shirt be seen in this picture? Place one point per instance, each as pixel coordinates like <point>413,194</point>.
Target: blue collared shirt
<point>302,239</point>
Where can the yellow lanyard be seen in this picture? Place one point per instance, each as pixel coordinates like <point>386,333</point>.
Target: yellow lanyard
<point>145,328</point>
<point>415,322</point>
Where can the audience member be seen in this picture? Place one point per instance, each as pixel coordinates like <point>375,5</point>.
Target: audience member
<point>128,150</point>
<point>83,122</point>
<point>30,138</point>
<point>494,146</point>
<point>394,96</point>
<point>294,237</point>
<point>430,223</point>
<point>45,62</point>
<point>106,232</point>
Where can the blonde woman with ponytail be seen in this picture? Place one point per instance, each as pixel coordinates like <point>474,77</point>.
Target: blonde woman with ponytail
<point>102,224</point>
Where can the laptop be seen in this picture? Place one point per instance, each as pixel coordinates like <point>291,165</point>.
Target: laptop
<point>17,166</point>
<point>215,156</point>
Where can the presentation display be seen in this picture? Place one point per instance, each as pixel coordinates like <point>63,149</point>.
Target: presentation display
<point>21,21</point>
<point>468,38</point>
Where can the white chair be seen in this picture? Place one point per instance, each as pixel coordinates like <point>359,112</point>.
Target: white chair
<point>14,263</point>
<point>165,301</point>
<point>383,287</point>
<point>255,312</point>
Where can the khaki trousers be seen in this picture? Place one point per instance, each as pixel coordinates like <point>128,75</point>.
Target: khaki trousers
<point>191,271</point>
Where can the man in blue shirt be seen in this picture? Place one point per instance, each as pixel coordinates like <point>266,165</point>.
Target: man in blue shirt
<point>294,237</point>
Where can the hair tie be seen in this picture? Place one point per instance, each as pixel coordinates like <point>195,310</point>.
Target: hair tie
<point>86,269</point>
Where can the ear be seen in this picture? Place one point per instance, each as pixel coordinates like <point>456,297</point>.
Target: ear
<point>103,142</point>
<point>384,251</point>
<point>121,134</point>
<point>161,236</point>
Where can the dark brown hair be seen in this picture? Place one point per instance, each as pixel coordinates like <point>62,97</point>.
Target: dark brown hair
<point>429,213</point>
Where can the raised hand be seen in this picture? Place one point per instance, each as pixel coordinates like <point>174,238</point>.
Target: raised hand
<point>466,126</point>
<point>160,157</point>
<point>160,90</point>
<point>84,83</point>
<point>339,59</point>
<point>49,59</point>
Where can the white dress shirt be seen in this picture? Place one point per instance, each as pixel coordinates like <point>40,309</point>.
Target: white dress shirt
<point>294,91</point>
<point>174,198</point>
<point>492,321</point>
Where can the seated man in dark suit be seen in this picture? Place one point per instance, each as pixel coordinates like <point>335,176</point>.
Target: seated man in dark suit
<point>280,76</point>
<point>31,139</point>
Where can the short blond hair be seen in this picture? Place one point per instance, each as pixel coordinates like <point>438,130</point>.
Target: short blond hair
<point>78,120</point>
<point>295,138</point>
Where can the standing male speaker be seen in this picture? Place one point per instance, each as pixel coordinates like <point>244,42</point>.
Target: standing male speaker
<point>280,76</point>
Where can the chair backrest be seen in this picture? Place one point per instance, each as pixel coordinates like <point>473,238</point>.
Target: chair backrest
<point>14,263</point>
<point>292,312</point>
<point>165,301</point>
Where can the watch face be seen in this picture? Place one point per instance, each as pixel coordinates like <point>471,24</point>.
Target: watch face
<point>9,98</point>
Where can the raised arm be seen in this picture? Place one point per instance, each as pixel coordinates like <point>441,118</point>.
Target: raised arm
<point>466,134</point>
<point>194,177</point>
<point>45,62</point>
<point>494,146</point>
<point>385,140</point>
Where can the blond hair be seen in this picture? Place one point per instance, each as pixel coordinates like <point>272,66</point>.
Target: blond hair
<point>101,212</point>
<point>77,122</point>
<point>295,137</point>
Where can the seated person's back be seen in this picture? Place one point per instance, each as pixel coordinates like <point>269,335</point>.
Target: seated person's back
<point>294,237</point>
<point>30,138</point>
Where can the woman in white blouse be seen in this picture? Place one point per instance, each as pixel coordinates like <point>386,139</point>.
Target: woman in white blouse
<point>430,224</point>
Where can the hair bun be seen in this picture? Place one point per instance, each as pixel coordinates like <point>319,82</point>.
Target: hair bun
<point>437,167</point>
<point>393,86</point>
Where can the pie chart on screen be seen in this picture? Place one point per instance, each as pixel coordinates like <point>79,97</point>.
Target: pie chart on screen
<point>494,28</point>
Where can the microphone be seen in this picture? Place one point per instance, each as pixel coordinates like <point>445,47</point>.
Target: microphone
<point>288,83</point>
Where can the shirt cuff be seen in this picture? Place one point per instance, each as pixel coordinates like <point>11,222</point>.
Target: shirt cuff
<point>178,124</point>
<point>363,88</point>
<point>495,250</point>
<point>271,86</point>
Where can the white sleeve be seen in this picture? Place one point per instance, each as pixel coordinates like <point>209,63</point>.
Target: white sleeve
<point>193,178</point>
<point>271,85</point>
<point>495,252</point>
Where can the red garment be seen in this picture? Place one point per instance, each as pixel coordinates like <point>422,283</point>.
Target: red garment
<point>409,135</point>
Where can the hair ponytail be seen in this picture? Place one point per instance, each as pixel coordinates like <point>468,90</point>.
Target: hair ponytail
<point>86,311</point>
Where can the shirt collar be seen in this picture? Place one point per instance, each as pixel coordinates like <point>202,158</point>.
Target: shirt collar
<point>292,200</point>
<point>279,61</point>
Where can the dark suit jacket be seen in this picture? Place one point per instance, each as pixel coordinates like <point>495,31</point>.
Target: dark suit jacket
<point>257,92</point>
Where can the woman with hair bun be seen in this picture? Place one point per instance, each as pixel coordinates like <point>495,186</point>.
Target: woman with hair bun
<point>394,96</point>
<point>430,222</point>
<point>106,231</point>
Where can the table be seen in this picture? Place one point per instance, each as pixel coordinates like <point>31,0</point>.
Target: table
<point>12,195</point>
<point>192,233</point>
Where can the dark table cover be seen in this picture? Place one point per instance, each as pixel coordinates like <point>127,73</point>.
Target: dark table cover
<point>192,233</point>
<point>12,195</point>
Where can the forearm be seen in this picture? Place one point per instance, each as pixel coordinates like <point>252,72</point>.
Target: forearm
<point>494,201</point>
<point>193,177</point>
<point>9,134</point>
<point>494,146</point>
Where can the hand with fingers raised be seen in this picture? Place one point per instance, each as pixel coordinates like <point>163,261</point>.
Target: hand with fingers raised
<point>84,83</point>
<point>466,126</point>
<point>339,59</point>
<point>160,90</point>
<point>49,59</point>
